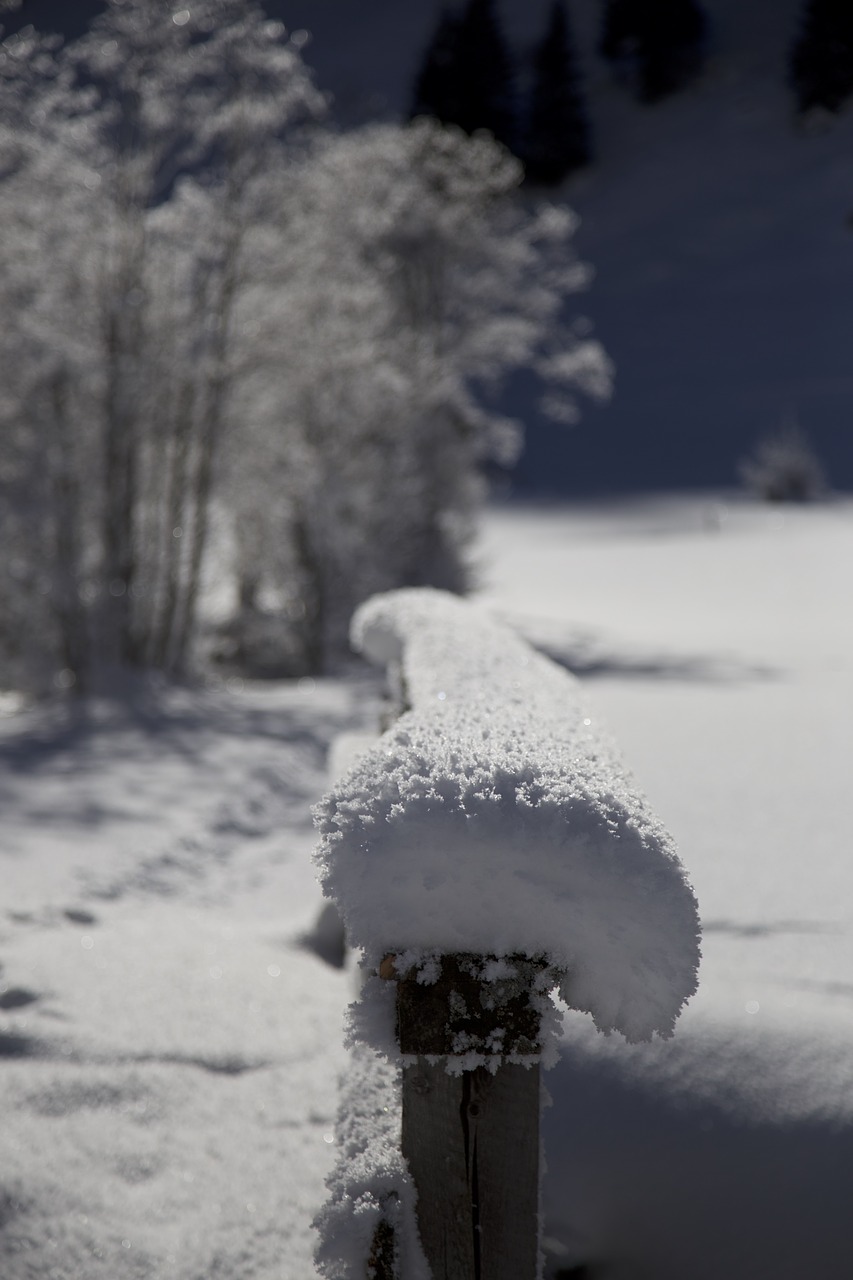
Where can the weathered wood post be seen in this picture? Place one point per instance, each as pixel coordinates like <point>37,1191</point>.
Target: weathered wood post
<point>471,1137</point>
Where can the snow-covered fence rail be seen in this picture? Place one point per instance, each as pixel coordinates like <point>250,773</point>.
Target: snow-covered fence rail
<point>489,848</point>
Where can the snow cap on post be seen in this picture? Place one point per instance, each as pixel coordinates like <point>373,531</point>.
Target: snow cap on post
<point>494,818</point>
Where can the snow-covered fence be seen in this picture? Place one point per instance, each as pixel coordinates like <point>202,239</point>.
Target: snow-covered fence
<point>489,848</point>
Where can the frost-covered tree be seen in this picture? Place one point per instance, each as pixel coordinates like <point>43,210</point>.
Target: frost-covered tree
<point>47,374</point>
<point>210,88</point>
<point>408,285</point>
<point>658,46</point>
<point>121,373</point>
<point>821,62</point>
<point>557,134</point>
<point>298,340</point>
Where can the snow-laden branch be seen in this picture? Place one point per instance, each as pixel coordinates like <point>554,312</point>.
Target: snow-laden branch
<point>495,818</point>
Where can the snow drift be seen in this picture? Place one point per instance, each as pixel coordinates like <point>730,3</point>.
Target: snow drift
<point>495,818</point>
<point>370,1183</point>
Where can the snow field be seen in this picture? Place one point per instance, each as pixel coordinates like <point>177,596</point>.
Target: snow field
<point>147,1100</point>
<point>170,1051</point>
<point>715,638</point>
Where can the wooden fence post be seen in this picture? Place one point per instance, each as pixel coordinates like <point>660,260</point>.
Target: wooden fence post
<point>471,1140</point>
<point>494,808</point>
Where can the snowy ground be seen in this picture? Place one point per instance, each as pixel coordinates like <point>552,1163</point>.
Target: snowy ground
<point>169,1051</point>
<point>717,640</point>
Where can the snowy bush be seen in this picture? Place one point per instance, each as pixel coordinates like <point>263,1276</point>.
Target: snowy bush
<point>784,468</point>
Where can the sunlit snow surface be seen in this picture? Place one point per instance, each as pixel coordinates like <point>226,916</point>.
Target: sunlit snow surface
<point>716,640</point>
<point>169,1051</point>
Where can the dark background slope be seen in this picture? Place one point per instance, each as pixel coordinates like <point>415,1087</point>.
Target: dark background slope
<point>718,226</point>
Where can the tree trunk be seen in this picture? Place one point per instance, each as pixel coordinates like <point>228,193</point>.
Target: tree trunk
<point>66,505</point>
<point>311,576</point>
<point>119,503</point>
<point>123,334</point>
<point>171,551</point>
<point>210,428</point>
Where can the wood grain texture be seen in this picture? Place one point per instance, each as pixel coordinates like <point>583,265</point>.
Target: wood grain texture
<point>472,1140</point>
<point>433,1143</point>
<point>503,1118</point>
<point>472,1145</point>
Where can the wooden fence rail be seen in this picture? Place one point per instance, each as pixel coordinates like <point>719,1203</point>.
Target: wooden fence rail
<point>490,814</point>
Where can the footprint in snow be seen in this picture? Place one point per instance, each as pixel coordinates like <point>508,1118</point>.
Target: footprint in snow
<point>77,916</point>
<point>18,1046</point>
<point>17,998</point>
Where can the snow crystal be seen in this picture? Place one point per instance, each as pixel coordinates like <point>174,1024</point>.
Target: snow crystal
<point>493,817</point>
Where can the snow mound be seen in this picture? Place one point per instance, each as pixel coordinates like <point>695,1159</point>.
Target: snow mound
<point>494,818</point>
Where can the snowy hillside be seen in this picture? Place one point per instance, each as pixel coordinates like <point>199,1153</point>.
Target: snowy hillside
<point>170,1046</point>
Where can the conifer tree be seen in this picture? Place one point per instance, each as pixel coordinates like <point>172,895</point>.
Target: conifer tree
<point>436,91</point>
<point>620,30</point>
<point>657,43</point>
<point>467,76</point>
<point>558,139</point>
<point>485,74</point>
<point>821,65</point>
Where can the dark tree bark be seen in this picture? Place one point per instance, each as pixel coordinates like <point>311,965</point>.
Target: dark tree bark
<point>66,507</point>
